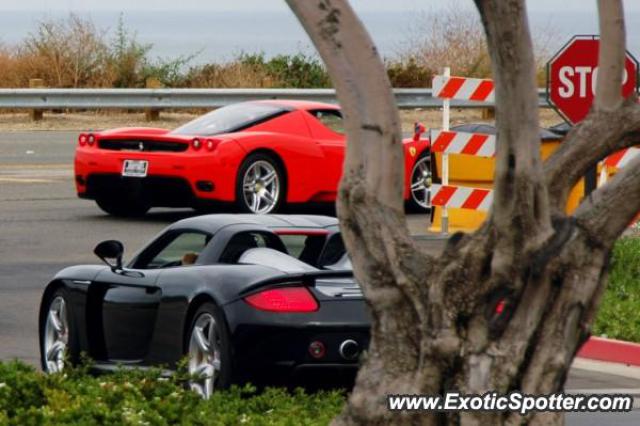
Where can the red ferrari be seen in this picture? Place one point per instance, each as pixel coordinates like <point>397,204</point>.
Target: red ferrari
<point>256,156</point>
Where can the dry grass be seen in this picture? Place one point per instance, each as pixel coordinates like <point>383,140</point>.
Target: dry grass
<point>168,120</point>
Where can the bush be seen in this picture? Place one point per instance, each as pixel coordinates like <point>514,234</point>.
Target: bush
<point>453,36</point>
<point>28,397</point>
<point>255,70</point>
<point>409,73</point>
<point>619,316</point>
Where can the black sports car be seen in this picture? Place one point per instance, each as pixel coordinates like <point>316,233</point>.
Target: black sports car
<point>244,297</point>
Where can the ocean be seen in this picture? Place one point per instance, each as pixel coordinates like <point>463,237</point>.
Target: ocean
<point>219,36</point>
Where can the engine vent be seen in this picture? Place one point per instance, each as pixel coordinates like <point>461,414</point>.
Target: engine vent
<point>142,145</point>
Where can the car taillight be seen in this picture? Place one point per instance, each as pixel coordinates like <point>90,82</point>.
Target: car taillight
<point>211,144</point>
<point>283,299</point>
<point>91,139</point>
<point>196,144</point>
<point>82,139</point>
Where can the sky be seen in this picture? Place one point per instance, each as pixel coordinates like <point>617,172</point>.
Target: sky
<point>275,5</point>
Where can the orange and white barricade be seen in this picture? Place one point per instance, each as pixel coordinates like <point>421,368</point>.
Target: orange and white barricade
<point>447,142</point>
<point>461,197</point>
<point>480,144</point>
<point>617,160</point>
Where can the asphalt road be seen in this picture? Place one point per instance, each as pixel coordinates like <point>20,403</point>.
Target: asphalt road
<point>44,227</point>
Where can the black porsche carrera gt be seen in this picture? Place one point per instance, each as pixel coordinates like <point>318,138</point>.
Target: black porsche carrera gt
<point>244,297</point>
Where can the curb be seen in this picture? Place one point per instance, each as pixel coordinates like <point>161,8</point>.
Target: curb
<point>611,350</point>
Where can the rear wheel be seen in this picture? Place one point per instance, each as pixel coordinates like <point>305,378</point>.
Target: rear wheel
<point>420,199</point>
<point>57,339</point>
<point>208,351</point>
<point>260,186</point>
<point>123,207</point>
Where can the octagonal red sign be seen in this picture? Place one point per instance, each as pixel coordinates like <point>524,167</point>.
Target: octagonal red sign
<point>572,75</point>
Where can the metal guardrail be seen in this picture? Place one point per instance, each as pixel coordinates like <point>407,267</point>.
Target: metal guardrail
<point>198,98</point>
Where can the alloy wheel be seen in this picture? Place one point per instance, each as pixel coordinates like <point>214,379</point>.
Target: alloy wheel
<point>421,183</point>
<point>56,339</point>
<point>204,355</point>
<point>261,187</point>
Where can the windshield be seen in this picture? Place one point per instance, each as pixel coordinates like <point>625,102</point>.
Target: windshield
<point>230,118</point>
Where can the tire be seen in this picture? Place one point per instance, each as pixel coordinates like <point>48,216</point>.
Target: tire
<point>254,194</point>
<point>58,338</point>
<point>420,196</point>
<point>210,362</point>
<point>123,207</point>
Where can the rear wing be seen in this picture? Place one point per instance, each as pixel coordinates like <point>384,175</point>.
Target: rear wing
<point>307,279</point>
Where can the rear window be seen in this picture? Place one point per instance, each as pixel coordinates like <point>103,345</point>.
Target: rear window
<point>231,118</point>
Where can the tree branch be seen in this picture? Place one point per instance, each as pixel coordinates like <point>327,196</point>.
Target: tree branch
<point>520,197</point>
<point>365,95</point>
<point>610,209</point>
<point>370,200</point>
<point>612,122</point>
<point>611,55</point>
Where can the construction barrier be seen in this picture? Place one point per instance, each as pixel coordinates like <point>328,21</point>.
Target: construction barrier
<point>469,89</point>
<point>479,144</point>
<point>461,197</point>
<point>473,202</point>
<point>621,158</point>
<point>466,161</point>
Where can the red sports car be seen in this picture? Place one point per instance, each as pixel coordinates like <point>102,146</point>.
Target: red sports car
<point>256,156</point>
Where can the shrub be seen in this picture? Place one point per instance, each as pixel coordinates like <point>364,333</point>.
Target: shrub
<point>453,36</point>
<point>28,397</point>
<point>409,73</point>
<point>619,317</point>
<point>255,70</point>
<point>65,53</point>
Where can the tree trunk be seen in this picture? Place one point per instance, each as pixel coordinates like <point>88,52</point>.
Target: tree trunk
<point>434,322</point>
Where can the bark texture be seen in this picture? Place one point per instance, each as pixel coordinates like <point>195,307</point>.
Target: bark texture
<point>434,326</point>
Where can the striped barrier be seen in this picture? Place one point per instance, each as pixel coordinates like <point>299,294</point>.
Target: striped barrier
<point>621,158</point>
<point>447,88</point>
<point>461,197</point>
<point>478,144</point>
<point>471,89</point>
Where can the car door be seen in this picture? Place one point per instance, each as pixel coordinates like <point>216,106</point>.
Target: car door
<point>122,310</point>
<point>129,299</point>
<point>326,126</point>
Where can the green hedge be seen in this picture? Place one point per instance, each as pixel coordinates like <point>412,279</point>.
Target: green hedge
<point>619,314</point>
<point>28,397</point>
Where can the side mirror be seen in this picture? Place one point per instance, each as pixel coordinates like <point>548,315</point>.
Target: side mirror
<point>418,130</point>
<point>110,250</point>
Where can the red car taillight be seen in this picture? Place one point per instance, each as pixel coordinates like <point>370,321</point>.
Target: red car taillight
<point>283,299</point>
<point>82,139</point>
<point>196,144</point>
<point>91,139</point>
<point>211,144</point>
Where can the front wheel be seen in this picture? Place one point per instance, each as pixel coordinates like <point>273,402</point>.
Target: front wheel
<point>420,199</point>
<point>260,186</point>
<point>208,351</point>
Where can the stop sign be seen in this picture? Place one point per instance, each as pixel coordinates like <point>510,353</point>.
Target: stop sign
<point>572,74</point>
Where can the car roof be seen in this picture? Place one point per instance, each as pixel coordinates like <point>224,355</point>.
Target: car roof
<point>212,223</point>
<point>295,104</point>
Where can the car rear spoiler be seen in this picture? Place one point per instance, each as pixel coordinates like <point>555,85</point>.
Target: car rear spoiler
<point>305,278</point>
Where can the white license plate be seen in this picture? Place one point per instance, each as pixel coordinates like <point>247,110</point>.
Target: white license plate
<point>135,168</point>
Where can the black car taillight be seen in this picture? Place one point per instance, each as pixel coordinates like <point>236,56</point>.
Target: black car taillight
<point>283,299</point>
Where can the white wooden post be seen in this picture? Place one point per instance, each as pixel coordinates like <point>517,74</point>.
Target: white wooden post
<point>445,156</point>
